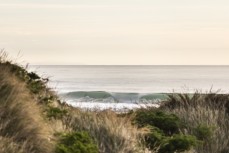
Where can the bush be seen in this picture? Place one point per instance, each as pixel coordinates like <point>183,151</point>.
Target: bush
<point>154,138</point>
<point>55,112</point>
<point>164,131</point>
<point>36,86</point>
<point>178,143</point>
<point>167,144</point>
<point>169,123</point>
<point>76,142</point>
<point>203,132</point>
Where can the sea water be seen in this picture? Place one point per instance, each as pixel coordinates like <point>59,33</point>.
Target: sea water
<point>128,87</point>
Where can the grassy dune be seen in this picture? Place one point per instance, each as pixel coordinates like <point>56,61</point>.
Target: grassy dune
<point>207,111</point>
<point>34,120</point>
<point>21,120</point>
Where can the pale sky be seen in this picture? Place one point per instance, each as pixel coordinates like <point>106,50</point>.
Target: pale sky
<point>122,32</point>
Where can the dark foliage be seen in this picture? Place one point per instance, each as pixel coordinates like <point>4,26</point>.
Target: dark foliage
<point>168,123</point>
<point>76,142</point>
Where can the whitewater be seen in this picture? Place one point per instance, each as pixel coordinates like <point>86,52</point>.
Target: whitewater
<point>129,87</point>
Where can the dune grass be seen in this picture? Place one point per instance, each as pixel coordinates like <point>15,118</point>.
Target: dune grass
<point>202,115</point>
<point>206,116</point>
<point>112,133</point>
<point>34,120</point>
<point>20,116</point>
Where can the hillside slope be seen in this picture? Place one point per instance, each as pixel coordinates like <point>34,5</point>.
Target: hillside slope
<point>34,120</point>
<point>22,127</point>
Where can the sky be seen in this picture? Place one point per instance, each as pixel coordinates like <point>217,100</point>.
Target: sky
<point>116,32</point>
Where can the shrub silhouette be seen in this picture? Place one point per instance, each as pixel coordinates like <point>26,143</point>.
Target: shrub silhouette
<point>33,76</point>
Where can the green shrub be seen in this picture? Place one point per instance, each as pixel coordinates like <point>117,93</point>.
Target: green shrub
<point>203,132</point>
<point>154,138</point>
<point>36,86</point>
<point>178,143</point>
<point>76,142</point>
<point>169,123</point>
<point>164,131</point>
<point>55,112</point>
<point>167,144</point>
<point>34,82</point>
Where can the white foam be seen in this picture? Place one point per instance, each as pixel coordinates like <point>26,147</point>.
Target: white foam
<point>112,106</point>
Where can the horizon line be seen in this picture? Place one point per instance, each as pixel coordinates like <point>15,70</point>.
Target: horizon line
<point>127,65</point>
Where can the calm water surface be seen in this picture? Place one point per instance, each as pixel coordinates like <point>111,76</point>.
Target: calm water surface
<point>137,79</point>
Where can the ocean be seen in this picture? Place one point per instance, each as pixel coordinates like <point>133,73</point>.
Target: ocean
<point>128,87</point>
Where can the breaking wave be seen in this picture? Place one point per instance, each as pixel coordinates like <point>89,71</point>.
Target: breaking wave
<point>101,100</point>
<point>113,97</point>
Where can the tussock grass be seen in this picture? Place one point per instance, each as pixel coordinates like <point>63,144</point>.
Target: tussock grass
<point>7,145</point>
<point>209,109</point>
<point>203,115</point>
<point>32,117</point>
<point>20,117</point>
<point>112,134</point>
<point>4,56</point>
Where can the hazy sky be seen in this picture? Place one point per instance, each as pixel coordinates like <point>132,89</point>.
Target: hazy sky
<point>116,31</point>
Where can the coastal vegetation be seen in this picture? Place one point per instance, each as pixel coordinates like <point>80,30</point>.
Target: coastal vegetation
<point>34,120</point>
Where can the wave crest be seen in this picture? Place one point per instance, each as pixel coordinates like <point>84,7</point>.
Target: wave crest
<point>113,97</point>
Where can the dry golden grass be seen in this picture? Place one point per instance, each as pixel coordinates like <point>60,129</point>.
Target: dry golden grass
<point>113,134</point>
<point>20,117</point>
<point>7,145</point>
<point>209,109</point>
<point>25,127</point>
